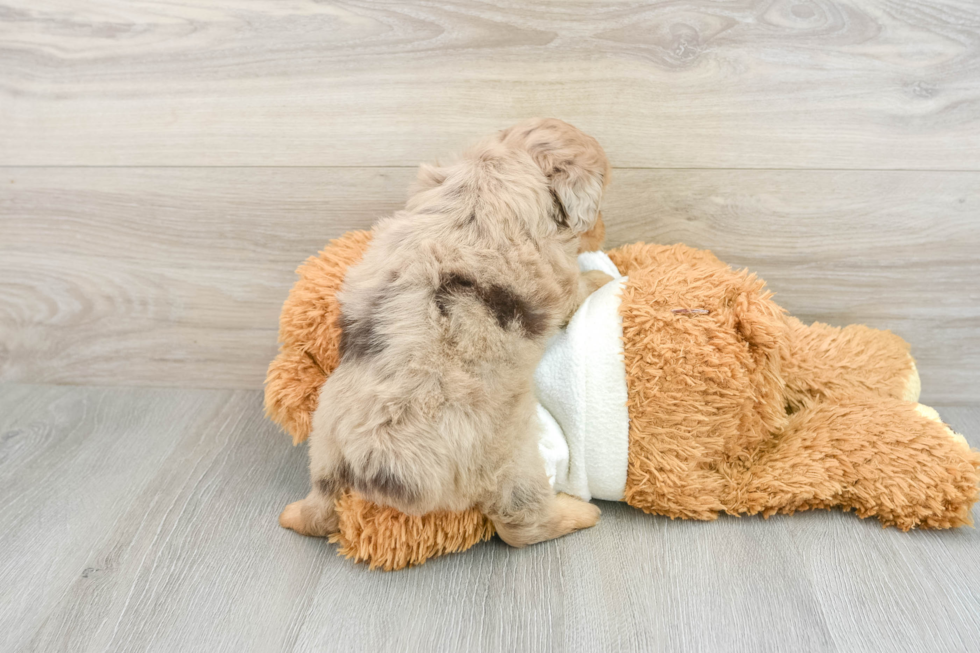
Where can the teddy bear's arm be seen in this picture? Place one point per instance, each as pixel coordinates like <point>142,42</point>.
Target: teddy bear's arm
<point>309,335</point>
<point>292,389</point>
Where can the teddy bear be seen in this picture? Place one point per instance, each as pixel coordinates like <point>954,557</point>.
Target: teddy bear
<point>681,388</point>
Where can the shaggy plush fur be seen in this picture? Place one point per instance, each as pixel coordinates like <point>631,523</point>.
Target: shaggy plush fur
<point>388,539</point>
<point>309,335</point>
<point>740,409</point>
<point>744,410</point>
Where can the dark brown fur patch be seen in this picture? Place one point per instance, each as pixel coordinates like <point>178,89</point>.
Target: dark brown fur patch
<point>344,474</point>
<point>387,484</point>
<point>327,486</point>
<point>559,214</point>
<point>383,482</point>
<point>358,338</point>
<point>506,307</point>
<point>450,285</point>
<point>509,309</point>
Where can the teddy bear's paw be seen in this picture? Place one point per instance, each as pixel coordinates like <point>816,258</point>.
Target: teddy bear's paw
<point>930,413</point>
<point>913,384</point>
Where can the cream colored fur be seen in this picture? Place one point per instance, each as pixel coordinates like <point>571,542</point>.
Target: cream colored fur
<point>444,321</point>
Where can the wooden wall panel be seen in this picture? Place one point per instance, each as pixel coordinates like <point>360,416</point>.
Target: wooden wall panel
<point>175,276</point>
<point>870,84</point>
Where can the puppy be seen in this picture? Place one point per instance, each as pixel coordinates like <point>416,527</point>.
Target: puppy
<point>444,321</point>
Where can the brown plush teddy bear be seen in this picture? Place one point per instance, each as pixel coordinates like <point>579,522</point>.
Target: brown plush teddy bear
<point>682,389</point>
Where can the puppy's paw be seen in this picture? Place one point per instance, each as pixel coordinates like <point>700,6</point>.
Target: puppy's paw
<point>578,514</point>
<point>313,518</point>
<point>292,517</point>
<point>595,279</point>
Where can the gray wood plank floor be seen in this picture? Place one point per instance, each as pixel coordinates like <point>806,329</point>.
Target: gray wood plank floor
<point>138,519</point>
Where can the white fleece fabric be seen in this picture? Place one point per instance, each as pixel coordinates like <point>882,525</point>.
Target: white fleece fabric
<point>581,387</point>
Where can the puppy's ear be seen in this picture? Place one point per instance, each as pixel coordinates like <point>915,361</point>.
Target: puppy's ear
<point>577,192</point>
<point>574,164</point>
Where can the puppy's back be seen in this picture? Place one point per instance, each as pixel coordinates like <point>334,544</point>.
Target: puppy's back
<point>443,323</point>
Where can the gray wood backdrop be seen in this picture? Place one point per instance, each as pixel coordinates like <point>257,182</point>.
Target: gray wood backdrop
<point>165,166</point>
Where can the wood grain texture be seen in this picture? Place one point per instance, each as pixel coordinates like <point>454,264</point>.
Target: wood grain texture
<point>176,276</point>
<point>871,84</point>
<point>71,463</point>
<point>145,519</point>
<point>892,250</point>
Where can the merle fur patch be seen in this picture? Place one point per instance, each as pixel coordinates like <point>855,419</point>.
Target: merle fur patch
<point>504,305</point>
<point>360,336</point>
<point>383,482</point>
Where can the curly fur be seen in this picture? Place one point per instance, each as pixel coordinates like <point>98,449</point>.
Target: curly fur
<point>442,324</point>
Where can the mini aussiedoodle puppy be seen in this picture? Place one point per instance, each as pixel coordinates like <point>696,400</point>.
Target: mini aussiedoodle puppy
<point>444,321</point>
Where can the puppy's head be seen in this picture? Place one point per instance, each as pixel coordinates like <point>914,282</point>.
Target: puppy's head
<point>574,164</point>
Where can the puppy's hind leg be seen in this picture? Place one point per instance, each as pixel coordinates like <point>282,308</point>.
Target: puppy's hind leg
<point>316,515</point>
<point>527,510</point>
<point>559,515</point>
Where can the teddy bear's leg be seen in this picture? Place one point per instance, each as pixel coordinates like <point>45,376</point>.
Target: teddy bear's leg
<point>822,360</point>
<point>876,455</point>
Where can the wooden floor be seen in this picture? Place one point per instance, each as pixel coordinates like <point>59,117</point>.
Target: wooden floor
<point>165,165</point>
<point>145,520</point>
